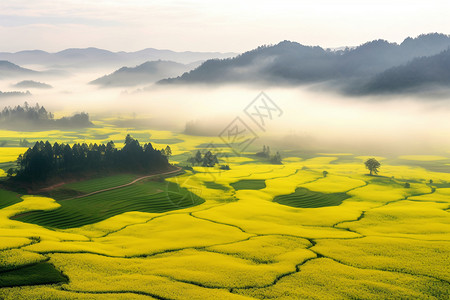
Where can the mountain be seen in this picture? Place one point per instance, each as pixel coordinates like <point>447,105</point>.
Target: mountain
<point>418,73</point>
<point>27,84</point>
<point>8,69</point>
<point>185,57</point>
<point>145,73</point>
<point>94,57</point>
<point>292,63</point>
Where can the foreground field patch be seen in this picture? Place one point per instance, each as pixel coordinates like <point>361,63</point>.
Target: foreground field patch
<point>152,197</point>
<point>211,233</point>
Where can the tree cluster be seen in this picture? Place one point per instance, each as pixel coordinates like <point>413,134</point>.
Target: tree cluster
<point>265,152</point>
<point>26,112</point>
<point>207,160</point>
<point>44,161</point>
<point>25,116</point>
<point>274,159</point>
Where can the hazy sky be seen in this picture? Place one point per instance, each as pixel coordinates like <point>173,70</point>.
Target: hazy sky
<point>206,25</point>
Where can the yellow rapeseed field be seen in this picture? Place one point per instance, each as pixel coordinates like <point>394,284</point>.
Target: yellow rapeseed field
<point>385,241</point>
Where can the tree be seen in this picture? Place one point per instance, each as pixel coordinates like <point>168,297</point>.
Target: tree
<point>10,172</point>
<point>276,159</point>
<point>407,185</point>
<point>325,173</point>
<point>198,157</point>
<point>209,160</point>
<point>373,165</point>
<point>265,152</point>
<point>168,151</point>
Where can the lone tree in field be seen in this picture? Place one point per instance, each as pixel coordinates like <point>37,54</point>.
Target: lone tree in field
<point>373,165</point>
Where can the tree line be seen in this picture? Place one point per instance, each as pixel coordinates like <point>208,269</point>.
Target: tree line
<point>44,161</point>
<point>27,116</point>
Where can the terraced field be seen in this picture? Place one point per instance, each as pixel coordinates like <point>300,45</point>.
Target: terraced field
<point>149,196</point>
<point>216,234</point>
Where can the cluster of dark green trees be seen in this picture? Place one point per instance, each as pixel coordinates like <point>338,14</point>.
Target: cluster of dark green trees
<point>44,161</point>
<point>26,112</point>
<point>207,160</point>
<point>27,116</point>
<point>274,159</point>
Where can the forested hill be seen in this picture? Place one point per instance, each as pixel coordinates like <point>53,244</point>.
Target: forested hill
<point>293,63</point>
<point>36,117</point>
<point>145,73</point>
<point>45,161</point>
<point>421,72</point>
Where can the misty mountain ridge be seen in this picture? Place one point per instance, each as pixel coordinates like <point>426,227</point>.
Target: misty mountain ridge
<point>94,57</point>
<point>292,63</point>
<point>432,71</point>
<point>145,73</point>
<point>8,69</point>
<point>32,84</point>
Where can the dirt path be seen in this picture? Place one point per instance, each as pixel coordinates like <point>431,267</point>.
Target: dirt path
<point>178,169</point>
<point>49,188</point>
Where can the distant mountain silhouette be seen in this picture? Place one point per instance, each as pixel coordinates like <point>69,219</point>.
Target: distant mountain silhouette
<point>8,69</point>
<point>14,94</point>
<point>424,71</point>
<point>32,84</point>
<point>145,73</point>
<point>94,57</point>
<point>293,63</point>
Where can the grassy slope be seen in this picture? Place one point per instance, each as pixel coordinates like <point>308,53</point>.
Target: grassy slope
<point>8,198</point>
<point>40,273</point>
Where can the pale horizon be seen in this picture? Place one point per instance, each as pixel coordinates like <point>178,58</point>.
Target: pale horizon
<point>199,25</point>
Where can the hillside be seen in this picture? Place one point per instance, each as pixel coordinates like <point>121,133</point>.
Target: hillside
<point>293,63</point>
<point>420,72</point>
<point>8,69</point>
<point>145,73</point>
<point>32,84</point>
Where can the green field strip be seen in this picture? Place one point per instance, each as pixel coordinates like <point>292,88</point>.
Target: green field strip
<point>36,274</point>
<point>304,198</point>
<point>215,186</point>
<point>249,184</point>
<point>8,198</point>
